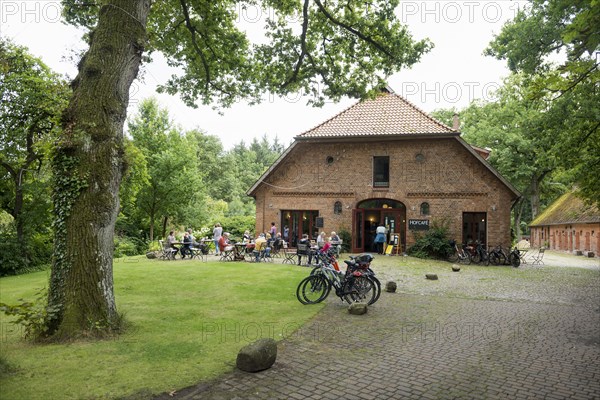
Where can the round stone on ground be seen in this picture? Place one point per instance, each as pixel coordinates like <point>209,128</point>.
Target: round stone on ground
<point>390,286</point>
<point>358,308</point>
<point>257,356</point>
<point>455,268</point>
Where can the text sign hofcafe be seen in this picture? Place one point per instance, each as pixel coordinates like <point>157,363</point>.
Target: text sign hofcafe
<point>418,224</point>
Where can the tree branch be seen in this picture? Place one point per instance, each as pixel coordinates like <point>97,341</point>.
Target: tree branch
<point>190,27</point>
<point>354,31</point>
<point>302,46</point>
<point>576,82</point>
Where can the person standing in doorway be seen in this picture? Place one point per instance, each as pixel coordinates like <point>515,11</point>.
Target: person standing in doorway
<point>217,233</point>
<point>286,234</point>
<point>273,230</point>
<point>380,238</point>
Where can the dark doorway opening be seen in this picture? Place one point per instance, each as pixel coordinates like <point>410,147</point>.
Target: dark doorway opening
<point>300,222</point>
<point>474,227</point>
<point>367,216</point>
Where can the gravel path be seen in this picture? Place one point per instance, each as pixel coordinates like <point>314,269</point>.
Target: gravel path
<point>481,333</point>
<point>560,259</point>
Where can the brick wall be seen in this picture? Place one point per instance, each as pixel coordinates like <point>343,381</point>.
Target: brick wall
<point>313,176</point>
<point>567,237</point>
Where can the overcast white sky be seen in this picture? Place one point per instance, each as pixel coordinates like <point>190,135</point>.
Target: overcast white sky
<point>452,74</point>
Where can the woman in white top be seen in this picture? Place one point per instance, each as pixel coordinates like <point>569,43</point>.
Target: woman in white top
<point>321,240</point>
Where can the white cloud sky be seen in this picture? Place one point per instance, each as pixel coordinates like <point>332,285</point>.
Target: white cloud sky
<point>452,74</point>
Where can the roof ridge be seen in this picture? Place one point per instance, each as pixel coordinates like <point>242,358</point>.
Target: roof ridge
<point>406,119</point>
<point>424,113</point>
<point>335,116</point>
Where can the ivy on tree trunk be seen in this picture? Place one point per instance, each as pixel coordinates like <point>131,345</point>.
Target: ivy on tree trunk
<point>88,166</point>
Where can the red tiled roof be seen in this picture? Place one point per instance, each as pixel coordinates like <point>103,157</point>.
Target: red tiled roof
<point>387,114</point>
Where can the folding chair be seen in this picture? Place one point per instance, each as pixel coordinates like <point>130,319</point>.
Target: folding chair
<point>198,253</point>
<point>537,258</point>
<point>275,248</point>
<point>227,254</point>
<point>167,252</point>
<point>265,255</point>
<point>289,255</point>
<point>303,251</point>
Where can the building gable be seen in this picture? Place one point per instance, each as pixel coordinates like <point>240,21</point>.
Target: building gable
<point>388,117</point>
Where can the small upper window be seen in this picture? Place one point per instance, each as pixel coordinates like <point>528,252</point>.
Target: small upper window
<point>329,160</point>
<point>424,208</point>
<point>337,207</point>
<point>381,172</point>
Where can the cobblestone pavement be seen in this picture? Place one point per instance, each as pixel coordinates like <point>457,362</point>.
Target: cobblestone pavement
<point>441,340</point>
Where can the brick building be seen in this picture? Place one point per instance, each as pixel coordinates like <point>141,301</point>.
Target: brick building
<point>568,224</point>
<point>384,160</point>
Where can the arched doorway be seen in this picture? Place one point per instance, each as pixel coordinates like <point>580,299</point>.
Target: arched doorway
<point>367,215</point>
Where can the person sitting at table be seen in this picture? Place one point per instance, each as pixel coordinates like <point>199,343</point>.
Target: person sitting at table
<point>187,246</point>
<point>326,245</point>
<point>261,247</point>
<point>224,243</point>
<point>277,243</point>
<point>305,241</point>
<point>336,242</point>
<point>171,243</point>
<point>321,240</point>
<point>246,238</point>
<point>192,238</point>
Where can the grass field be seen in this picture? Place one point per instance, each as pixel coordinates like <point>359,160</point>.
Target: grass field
<point>187,321</point>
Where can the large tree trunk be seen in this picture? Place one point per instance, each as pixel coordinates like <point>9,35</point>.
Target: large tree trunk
<point>534,188</point>
<point>535,196</point>
<point>517,221</point>
<point>152,227</point>
<point>87,167</point>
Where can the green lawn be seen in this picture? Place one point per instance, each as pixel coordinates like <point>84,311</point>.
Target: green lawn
<point>188,319</point>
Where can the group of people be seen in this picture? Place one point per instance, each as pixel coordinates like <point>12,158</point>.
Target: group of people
<point>262,245</point>
<point>323,244</point>
<point>187,244</point>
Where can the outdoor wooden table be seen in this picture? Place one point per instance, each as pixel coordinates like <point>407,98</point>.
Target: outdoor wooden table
<point>239,251</point>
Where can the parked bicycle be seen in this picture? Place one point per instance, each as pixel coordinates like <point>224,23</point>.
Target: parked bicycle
<point>360,263</point>
<point>479,254</point>
<point>351,286</point>
<point>498,256</point>
<point>460,255</point>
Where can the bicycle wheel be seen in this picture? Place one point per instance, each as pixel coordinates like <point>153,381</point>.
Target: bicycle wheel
<point>464,258</point>
<point>359,289</point>
<point>494,259</point>
<point>312,289</point>
<point>377,287</point>
<point>485,258</point>
<point>476,258</point>
<point>453,258</point>
<point>502,260</point>
<point>515,260</point>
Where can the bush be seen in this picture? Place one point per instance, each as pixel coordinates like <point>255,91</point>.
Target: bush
<point>434,243</point>
<point>237,224</point>
<point>346,240</point>
<point>128,246</point>
<point>19,258</point>
<point>31,315</point>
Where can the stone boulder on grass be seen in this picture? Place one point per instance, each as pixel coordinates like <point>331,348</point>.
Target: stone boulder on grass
<point>257,356</point>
